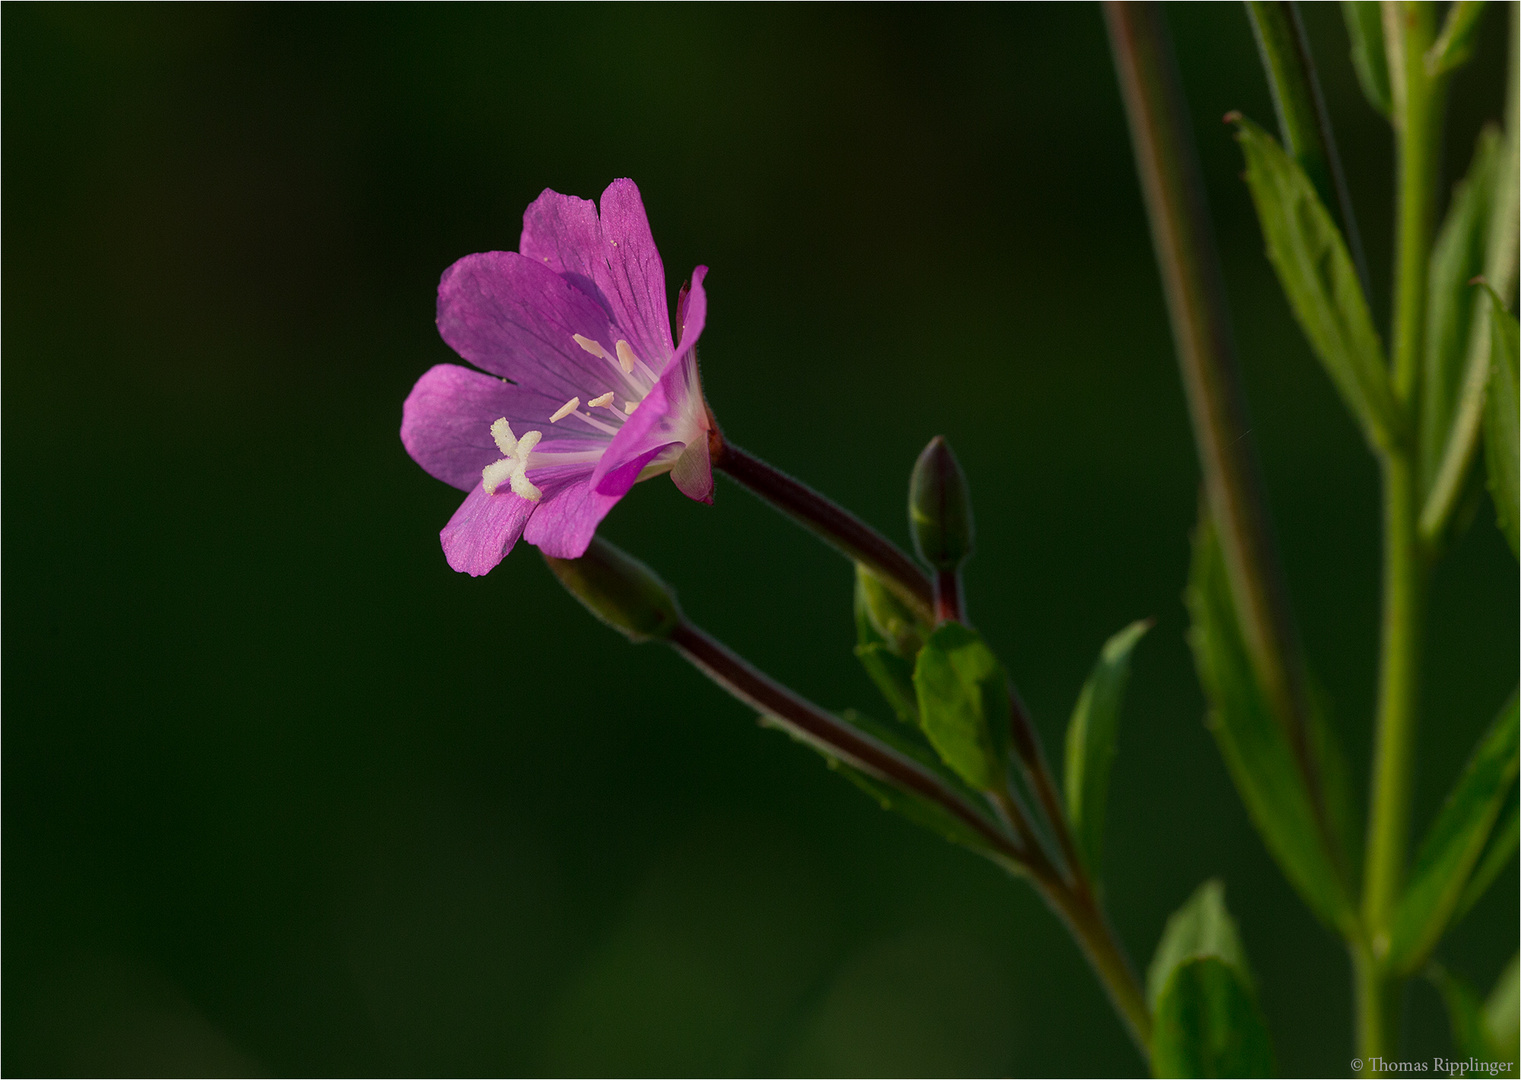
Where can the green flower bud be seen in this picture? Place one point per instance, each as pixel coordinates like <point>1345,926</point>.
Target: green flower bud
<point>940,507</point>
<point>881,614</point>
<point>620,590</point>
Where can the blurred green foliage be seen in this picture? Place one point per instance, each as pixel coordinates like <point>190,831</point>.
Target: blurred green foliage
<point>284,794</point>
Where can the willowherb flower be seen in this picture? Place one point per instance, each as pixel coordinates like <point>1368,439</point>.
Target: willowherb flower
<point>600,395</point>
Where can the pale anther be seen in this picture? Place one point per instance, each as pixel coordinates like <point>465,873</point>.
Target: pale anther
<point>605,399</point>
<point>626,357</point>
<point>592,347</point>
<point>565,410</point>
<point>628,410</point>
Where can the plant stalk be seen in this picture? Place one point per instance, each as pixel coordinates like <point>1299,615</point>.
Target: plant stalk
<point>835,525</point>
<point>1419,99</point>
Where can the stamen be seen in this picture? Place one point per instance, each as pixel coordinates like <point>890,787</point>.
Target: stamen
<point>626,357</point>
<point>565,410</point>
<point>501,431</point>
<point>628,410</point>
<point>605,399</point>
<point>592,347</point>
<point>526,444</point>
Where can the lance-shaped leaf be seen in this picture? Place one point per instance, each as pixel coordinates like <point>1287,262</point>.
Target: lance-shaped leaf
<point>1256,751</point>
<point>964,705</point>
<point>1456,257</point>
<point>1451,849</point>
<point>1497,854</point>
<point>1502,423</point>
<point>1318,276</point>
<point>1365,28</point>
<point>1454,45</point>
<point>1207,1021</point>
<point>1091,735</point>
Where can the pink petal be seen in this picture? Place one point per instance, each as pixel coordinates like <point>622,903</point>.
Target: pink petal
<point>567,518</point>
<point>518,319</point>
<point>483,530</point>
<point>613,258</point>
<point>446,422</point>
<point>672,412</point>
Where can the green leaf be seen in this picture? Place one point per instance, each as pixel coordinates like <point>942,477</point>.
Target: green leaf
<point>1456,257</point>
<point>964,705</point>
<point>1365,26</point>
<point>1201,927</point>
<point>1208,1024</point>
<point>1454,45</point>
<point>882,617</point>
<point>1457,838</point>
<point>1200,989</point>
<point>1317,274</point>
<point>1253,744</point>
<point>1502,425</point>
<point>1497,854</point>
<point>1091,737</point>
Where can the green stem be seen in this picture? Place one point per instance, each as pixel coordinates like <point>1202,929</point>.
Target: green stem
<point>1419,101</point>
<point>1375,1019</point>
<point>1393,755</point>
<point>1418,104</point>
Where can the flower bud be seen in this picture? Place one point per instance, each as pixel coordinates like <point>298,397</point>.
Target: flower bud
<point>940,507</point>
<point>881,613</point>
<point>621,591</point>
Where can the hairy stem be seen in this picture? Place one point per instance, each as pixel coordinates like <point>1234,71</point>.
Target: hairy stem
<point>837,526</point>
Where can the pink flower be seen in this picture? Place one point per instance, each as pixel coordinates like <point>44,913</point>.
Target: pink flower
<point>599,396</point>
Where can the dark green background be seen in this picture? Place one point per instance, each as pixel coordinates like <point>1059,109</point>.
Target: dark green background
<point>284,794</point>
